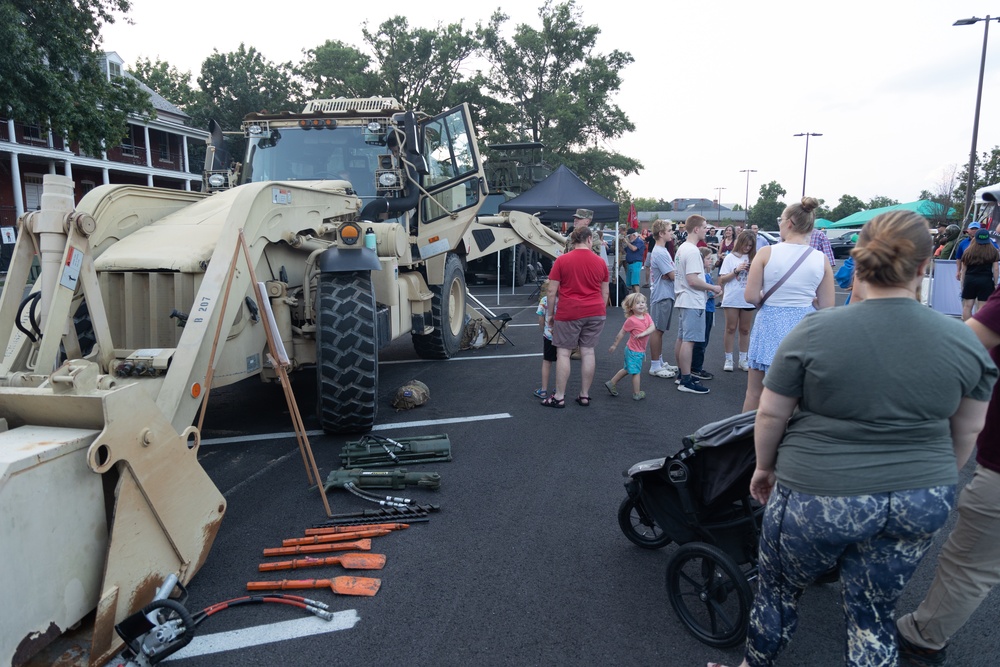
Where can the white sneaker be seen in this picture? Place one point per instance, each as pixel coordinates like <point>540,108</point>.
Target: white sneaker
<point>728,366</point>
<point>665,372</point>
<point>744,365</point>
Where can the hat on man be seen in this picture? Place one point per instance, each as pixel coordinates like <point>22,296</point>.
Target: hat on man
<point>584,213</point>
<point>982,237</point>
<point>974,225</point>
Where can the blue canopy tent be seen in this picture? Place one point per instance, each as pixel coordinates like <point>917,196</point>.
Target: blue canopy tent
<point>924,207</point>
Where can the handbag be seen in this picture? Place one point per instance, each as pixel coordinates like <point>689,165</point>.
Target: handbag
<point>788,273</point>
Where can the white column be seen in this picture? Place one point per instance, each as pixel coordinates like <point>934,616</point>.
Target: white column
<point>149,150</point>
<point>69,169</point>
<point>52,166</point>
<point>184,150</point>
<point>149,180</point>
<point>106,175</point>
<point>15,180</point>
<point>11,131</point>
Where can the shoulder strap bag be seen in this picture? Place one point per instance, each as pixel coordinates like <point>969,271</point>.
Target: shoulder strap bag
<point>785,277</point>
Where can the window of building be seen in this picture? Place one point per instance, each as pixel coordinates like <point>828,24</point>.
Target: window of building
<point>164,139</point>
<point>114,69</point>
<point>86,186</point>
<point>32,192</point>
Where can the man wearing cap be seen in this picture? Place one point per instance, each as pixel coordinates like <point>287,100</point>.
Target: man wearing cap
<point>582,218</point>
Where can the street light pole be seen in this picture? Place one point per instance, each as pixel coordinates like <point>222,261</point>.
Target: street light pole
<point>806,165</point>
<point>746,200</point>
<point>979,97</point>
<point>718,206</point>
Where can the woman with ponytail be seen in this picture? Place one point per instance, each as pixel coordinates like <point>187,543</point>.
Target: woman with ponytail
<point>857,462</point>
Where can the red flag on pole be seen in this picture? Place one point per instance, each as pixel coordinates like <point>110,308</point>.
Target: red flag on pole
<point>633,217</point>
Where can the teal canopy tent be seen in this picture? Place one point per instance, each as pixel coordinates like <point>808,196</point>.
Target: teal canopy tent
<point>924,207</point>
<point>822,223</point>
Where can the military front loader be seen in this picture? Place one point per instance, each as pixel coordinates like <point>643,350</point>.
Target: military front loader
<point>358,218</point>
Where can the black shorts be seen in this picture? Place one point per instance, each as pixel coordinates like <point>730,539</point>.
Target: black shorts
<point>977,287</point>
<point>548,350</point>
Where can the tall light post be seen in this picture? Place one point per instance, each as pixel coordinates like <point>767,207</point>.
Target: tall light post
<point>806,165</point>
<point>718,206</point>
<point>746,200</point>
<point>979,98</point>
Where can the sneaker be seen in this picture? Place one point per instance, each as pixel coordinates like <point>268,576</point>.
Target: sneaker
<point>702,375</point>
<point>638,397</point>
<point>728,366</point>
<point>541,393</point>
<point>692,386</point>
<point>665,372</point>
<point>911,655</point>
<point>744,365</point>
<point>612,389</point>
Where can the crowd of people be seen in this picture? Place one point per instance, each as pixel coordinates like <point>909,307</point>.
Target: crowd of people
<point>855,475</point>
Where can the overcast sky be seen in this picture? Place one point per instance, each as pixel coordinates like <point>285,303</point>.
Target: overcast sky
<point>716,87</point>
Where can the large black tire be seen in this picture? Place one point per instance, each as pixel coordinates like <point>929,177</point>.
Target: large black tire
<point>639,527</point>
<point>346,353</point>
<point>710,594</point>
<point>447,315</point>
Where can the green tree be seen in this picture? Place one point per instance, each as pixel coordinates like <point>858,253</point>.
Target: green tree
<point>987,173</point>
<point>848,205</point>
<point>881,202</point>
<point>52,72</point>
<point>336,69</point>
<point>235,84</point>
<point>420,67</point>
<point>768,209</point>
<point>170,83</point>
<point>645,204</point>
<point>559,90</point>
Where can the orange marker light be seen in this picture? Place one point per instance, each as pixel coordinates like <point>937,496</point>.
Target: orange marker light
<point>195,390</point>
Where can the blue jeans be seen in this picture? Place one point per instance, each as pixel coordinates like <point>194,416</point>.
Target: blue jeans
<point>698,355</point>
<point>877,539</point>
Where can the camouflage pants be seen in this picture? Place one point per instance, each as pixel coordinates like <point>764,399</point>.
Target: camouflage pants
<point>878,540</point>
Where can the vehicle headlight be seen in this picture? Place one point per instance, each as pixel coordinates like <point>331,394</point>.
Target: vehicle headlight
<point>216,180</point>
<point>387,179</point>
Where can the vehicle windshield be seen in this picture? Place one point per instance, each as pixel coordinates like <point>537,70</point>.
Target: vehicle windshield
<point>298,154</point>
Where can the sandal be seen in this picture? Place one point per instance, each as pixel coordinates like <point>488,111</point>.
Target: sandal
<point>541,393</point>
<point>553,402</point>
<point>583,400</point>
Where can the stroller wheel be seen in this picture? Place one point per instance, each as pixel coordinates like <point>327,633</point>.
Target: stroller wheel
<point>710,594</point>
<point>638,525</point>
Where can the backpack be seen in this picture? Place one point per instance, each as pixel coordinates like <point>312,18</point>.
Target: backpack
<point>474,335</point>
<point>411,395</point>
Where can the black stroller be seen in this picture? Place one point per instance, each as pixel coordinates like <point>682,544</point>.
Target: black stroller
<point>699,498</point>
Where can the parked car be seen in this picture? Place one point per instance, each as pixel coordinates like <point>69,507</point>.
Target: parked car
<point>841,241</point>
<point>770,237</point>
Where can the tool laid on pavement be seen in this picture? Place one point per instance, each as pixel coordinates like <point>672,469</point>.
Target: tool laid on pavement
<point>382,479</point>
<point>346,561</point>
<point>376,450</point>
<point>409,514</point>
<point>360,545</point>
<point>362,586</point>
<point>340,530</point>
<point>336,537</point>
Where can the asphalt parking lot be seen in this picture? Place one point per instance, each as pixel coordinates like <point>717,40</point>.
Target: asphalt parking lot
<point>525,563</point>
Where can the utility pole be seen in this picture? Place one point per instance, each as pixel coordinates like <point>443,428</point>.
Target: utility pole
<point>746,200</point>
<point>806,165</point>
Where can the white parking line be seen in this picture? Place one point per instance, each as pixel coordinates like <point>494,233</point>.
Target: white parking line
<point>377,427</point>
<point>266,634</point>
